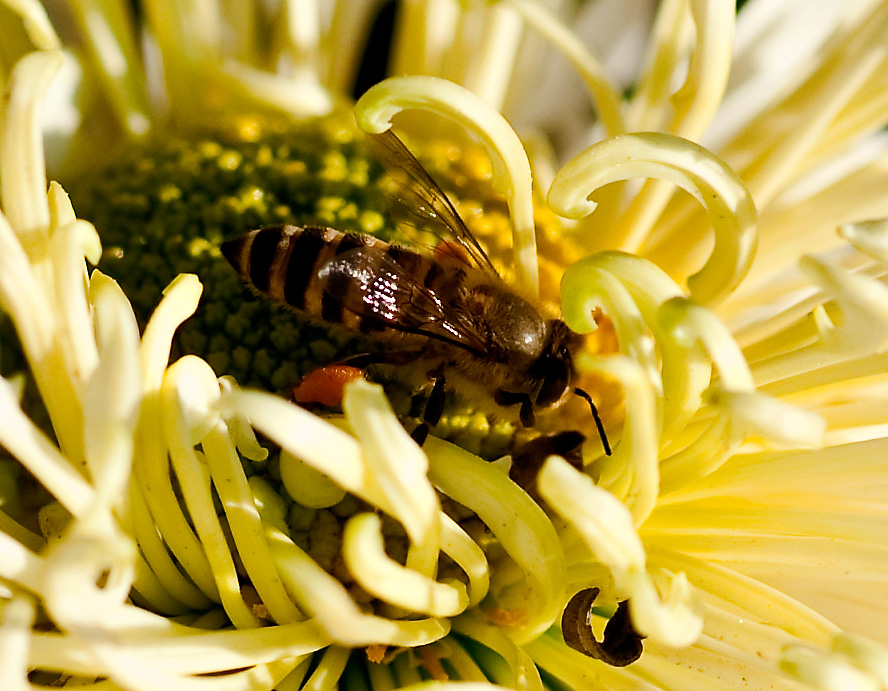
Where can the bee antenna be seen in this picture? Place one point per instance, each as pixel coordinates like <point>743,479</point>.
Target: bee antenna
<point>601,433</point>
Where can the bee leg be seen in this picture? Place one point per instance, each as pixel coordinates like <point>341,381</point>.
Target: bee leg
<point>433,409</point>
<point>510,398</point>
<point>528,460</point>
<point>396,357</point>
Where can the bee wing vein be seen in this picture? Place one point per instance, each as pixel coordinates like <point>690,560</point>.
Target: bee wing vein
<point>368,282</point>
<point>421,196</point>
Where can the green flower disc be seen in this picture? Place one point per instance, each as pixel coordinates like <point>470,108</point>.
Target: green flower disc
<point>165,206</point>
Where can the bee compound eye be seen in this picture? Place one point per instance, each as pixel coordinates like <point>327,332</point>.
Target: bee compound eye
<point>556,379</point>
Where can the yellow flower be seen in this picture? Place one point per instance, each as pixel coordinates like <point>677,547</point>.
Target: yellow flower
<point>736,535</point>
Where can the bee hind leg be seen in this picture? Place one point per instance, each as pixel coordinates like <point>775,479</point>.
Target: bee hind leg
<point>510,398</point>
<point>394,357</point>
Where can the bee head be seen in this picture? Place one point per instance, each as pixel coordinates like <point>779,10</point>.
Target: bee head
<point>554,368</point>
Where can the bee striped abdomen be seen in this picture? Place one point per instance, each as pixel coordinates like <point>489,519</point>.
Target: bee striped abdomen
<point>285,263</point>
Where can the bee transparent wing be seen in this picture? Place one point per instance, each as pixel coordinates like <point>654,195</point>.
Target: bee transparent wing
<point>368,282</point>
<point>421,197</point>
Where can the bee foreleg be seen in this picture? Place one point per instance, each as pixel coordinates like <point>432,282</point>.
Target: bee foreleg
<point>510,398</point>
<point>433,408</point>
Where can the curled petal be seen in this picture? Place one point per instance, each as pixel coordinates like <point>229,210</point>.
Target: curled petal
<point>621,644</point>
<point>811,666</point>
<point>755,413</point>
<point>197,391</point>
<point>20,566</point>
<point>701,94</point>
<point>691,167</point>
<point>180,650</point>
<point>591,288</point>
<point>664,608</point>
<point>870,237</point>
<point>511,169</point>
<point>322,596</point>
<point>865,654</point>
<point>466,553</point>
<point>684,369</point>
<point>86,581</point>
<point>245,525</point>
<point>179,302</point>
<point>36,23</point>
<point>69,244</point>
<point>860,331</point>
<point>688,323</point>
<point>524,531</point>
<point>22,168</point>
<point>113,392</point>
<point>607,97</point>
<point>301,97</point>
<point>116,61</point>
<point>365,557</point>
<point>329,450</point>
<point>24,440</point>
<point>22,296</point>
<point>526,674</point>
<point>397,467</point>
<point>158,510</point>
<point>631,472</point>
<point>186,419</point>
<point>605,524</point>
<point>241,432</point>
<point>864,305</point>
<point>386,468</point>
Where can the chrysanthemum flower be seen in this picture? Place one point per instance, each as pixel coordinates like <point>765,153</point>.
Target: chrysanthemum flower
<point>701,204</point>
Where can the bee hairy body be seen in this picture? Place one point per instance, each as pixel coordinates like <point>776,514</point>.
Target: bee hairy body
<point>449,308</point>
<point>290,264</point>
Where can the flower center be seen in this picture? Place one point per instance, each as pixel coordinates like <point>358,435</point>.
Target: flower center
<point>165,208</point>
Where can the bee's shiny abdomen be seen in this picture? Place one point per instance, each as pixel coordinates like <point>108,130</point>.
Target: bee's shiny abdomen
<point>284,262</point>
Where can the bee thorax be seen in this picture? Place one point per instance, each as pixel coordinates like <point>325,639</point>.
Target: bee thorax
<point>516,329</point>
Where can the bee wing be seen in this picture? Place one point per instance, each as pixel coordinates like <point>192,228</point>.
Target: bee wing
<point>368,282</point>
<point>420,196</point>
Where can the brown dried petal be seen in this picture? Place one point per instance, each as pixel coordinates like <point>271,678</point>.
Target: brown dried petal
<point>621,645</point>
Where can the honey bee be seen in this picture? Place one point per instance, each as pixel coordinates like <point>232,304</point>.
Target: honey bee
<point>449,309</point>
